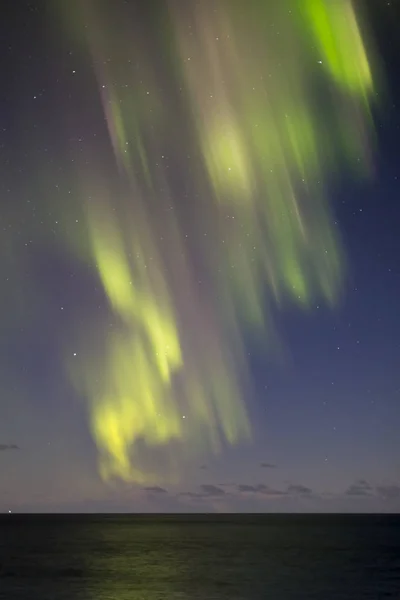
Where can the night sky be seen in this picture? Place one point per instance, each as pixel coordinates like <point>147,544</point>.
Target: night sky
<point>200,258</point>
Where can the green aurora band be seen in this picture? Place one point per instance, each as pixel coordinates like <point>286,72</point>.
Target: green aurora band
<point>263,104</point>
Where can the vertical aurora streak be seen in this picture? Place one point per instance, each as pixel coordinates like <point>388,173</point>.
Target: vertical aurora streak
<point>245,134</point>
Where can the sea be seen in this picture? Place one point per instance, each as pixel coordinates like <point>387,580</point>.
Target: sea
<point>199,557</point>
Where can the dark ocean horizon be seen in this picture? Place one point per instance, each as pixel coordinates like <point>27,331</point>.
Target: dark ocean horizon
<point>199,556</point>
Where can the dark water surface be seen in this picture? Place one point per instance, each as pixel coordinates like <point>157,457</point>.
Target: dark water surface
<point>274,557</point>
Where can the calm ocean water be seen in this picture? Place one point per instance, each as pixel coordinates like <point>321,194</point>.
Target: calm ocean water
<point>272,557</point>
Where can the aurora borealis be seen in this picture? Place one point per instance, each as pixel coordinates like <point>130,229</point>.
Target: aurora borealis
<point>267,227</point>
<point>198,207</point>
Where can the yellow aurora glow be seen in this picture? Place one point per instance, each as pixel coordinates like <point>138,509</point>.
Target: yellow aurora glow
<point>259,105</point>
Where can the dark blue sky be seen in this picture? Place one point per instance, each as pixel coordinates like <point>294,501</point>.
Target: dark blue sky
<point>326,413</point>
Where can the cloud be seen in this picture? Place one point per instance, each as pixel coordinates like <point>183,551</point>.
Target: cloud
<point>389,492</point>
<point>203,467</point>
<point>242,487</point>
<point>361,487</point>
<point>259,488</point>
<point>209,489</point>
<point>156,490</point>
<point>299,489</point>
<point>267,465</point>
<point>5,447</point>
